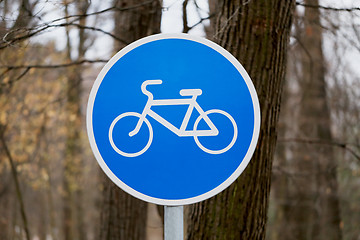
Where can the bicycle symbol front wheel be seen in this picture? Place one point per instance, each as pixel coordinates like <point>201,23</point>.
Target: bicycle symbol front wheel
<point>126,123</point>
<point>230,130</point>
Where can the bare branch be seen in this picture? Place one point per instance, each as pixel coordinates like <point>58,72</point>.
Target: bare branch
<point>185,17</point>
<point>40,30</point>
<point>324,142</point>
<point>40,66</point>
<point>93,29</point>
<point>42,27</point>
<point>201,20</point>
<point>112,8</point>
<point>60,65</point>
<point>328,8</point>
<point>20,38</point>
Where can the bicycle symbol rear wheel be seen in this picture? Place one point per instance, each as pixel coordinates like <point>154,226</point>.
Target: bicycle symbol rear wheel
<point>233,139</point>
<point>117,148</point>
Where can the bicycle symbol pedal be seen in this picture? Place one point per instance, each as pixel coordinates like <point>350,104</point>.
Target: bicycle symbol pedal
<point>182,131</point>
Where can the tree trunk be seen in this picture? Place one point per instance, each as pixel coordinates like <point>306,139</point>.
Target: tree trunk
<point>7,33</point>
<point>137,19</point>
<point>123,216</point>
<point>283,170</point>
<point>280,179</point>
<point>73,217</point>
<point>315,213</point>
<point>19,193</point>
<point>213,11</point>
<point>257,34</point>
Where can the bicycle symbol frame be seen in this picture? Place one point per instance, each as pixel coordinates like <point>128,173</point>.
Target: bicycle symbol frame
<point>182,131</point>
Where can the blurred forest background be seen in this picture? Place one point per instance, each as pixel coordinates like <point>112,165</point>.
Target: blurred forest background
<point>51,51</point>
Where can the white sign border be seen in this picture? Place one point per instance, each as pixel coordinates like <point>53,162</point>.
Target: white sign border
<point>234,175</point>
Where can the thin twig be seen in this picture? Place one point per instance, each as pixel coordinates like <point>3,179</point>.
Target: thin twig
<point>328,8</point>
<point>40,66</point>
<point>40,28</point>
<point>323,142</point>
<point>91,28</point>
<point>60,65</point>
<point>202,20</point>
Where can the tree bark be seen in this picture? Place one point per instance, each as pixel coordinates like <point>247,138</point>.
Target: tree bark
<point>123,216</point>
<point>140,19</point>
<point>213,11</point>
<point>257,34</point>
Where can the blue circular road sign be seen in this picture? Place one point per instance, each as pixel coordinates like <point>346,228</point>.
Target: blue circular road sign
<point>173,119</point>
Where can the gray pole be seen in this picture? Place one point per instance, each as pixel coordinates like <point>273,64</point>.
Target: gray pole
<point>173,223</point>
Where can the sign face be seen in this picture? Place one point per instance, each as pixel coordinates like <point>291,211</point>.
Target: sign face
<point>173,119</point>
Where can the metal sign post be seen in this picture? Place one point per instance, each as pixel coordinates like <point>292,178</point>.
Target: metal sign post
<point>173,222</point>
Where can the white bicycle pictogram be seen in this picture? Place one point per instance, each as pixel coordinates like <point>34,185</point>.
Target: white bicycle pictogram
<point>182,131</point>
